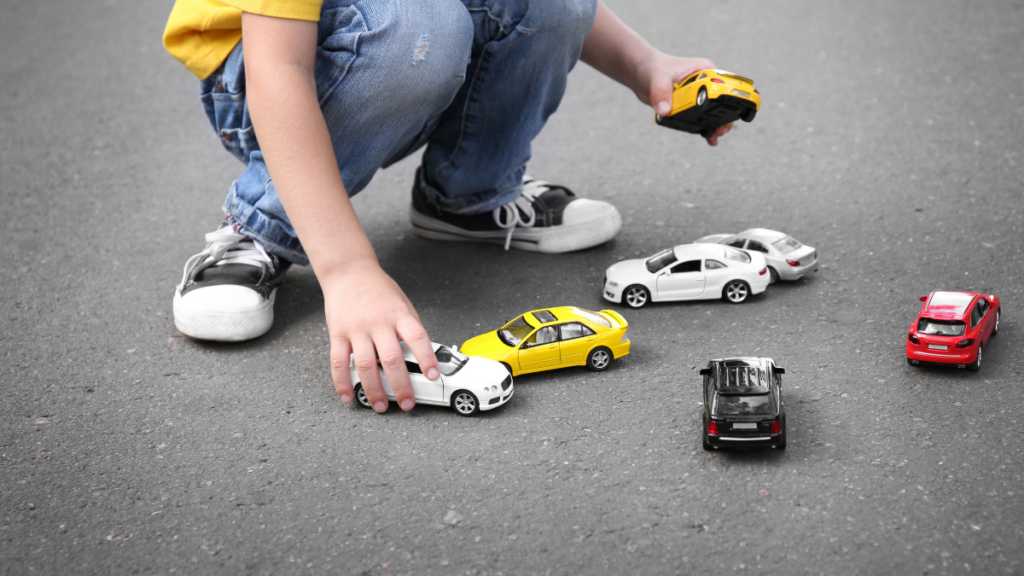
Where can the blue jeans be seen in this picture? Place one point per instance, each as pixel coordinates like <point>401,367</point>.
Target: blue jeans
<point>473,80</point>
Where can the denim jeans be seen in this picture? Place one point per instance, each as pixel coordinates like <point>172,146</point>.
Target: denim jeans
<point>473,80</point>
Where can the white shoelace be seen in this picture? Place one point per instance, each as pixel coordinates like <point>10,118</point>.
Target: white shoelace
<point>510,215</point>
<point>225,246</point>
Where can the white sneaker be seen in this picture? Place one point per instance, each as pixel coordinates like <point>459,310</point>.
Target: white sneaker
<point>227,291</point>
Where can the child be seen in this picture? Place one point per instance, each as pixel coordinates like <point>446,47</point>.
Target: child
<point>335,90</point>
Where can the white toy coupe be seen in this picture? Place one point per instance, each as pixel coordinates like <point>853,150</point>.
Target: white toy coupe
<point>787,258</point>
<point>467,384</point>
<point>687,272</point>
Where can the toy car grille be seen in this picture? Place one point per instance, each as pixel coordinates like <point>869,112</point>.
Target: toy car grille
<point>506,382</point>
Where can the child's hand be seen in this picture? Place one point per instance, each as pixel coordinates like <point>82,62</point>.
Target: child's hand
<point>367,315</point>
<point>655,77</point>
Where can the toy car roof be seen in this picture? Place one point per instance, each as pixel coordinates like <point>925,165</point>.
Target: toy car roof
<point>743,361</point>
<point>763,234</point>
<point>560,314</point>
<point>943,305</point>
<point>699,251</point>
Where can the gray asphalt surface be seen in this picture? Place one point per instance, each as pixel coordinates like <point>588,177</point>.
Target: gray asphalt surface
<point>890,138</point>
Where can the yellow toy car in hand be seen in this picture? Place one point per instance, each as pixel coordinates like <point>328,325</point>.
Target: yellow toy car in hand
<point>708,99</point>
<point>554,338</point>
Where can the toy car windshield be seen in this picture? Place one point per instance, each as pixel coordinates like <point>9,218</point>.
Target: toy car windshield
<point>752,405</point>
<point>449,360</point>
<point>737,255</point>
<point>787,245</point>
<point>514,332</point>
<point>741,378</point>
<point>660,260</point>
<point>941,327</point>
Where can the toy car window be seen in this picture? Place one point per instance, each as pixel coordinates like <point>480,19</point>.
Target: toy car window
<point>688,266</point>
<point>713,265</point>
<point>514,332</point>
<point>755,245</point>
<point>976,315</point>
<point>787,245</point>
<point>738,256</point>
<point>450,361</point>
<point>573,330</point>
<point>660,260</point>
<point>413,367</point>
<point>757,405</point>
<point>544,316</point>
<point>737,243</point>
<point>983,305</point>
<point>702,76</point>
<point>689,80</point>
<point>593,317</point>
<point>941,327</point>
<point>545,335</point>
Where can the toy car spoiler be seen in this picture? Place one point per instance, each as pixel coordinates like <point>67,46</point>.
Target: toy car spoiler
<point>616,317</point>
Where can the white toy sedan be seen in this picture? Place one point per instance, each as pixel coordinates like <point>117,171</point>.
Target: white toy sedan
<point>467,384</point>
<point>687,272</point>
<point>787,258</point>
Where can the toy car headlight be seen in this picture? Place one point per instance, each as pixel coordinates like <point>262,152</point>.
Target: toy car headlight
<point>613,284</point>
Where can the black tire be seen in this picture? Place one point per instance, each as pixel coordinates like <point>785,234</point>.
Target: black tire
<point>599,359</point>
<point>465,403</point>
<point>507,367</point>
<point>995,329</point>
<point>736,291</point>
<point>976,365</point>
<point>636,296</point>
<point>749,115</point>
<point>774,274</point>
<point>361,397</point>
<point>702,98</point>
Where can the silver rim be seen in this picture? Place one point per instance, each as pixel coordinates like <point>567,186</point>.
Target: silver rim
<point>702,97</point>
<point>636,297</point>
<point>361,397</point>
<point>465,403</point>
<point>997,323</point>
<point>736,292</point>
<point>978,361</point>
<point>600,359</point>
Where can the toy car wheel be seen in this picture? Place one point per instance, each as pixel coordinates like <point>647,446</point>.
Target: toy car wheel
<point>636,296</point>
<point>599,359</point>
<point>976,365</point>
<point>736,291</point>
<point>507,367</point>
<point>748,116</point>
<point>774,275</point>
<point>361,397</point>
<point>702,97</point>
<point>995,329</point>
<point>465,403</point>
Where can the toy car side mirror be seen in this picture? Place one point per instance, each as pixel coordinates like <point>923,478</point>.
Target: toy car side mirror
<point>705,371</point>
<point>923,298</point>
<point>779,370</point>
<point>454,347</point>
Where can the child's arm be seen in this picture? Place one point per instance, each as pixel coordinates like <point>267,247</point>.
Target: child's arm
<point>621,54</point>
<point>366,310</point>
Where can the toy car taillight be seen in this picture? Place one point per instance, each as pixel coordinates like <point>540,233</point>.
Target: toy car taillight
<point>793,262</point>
<point>913,338</point>
<point>763,271</point>
<point>965,343</point>
<point>713,428</point>
<point>756,92</point>
<point>776,426</point>
<point>718,81</point>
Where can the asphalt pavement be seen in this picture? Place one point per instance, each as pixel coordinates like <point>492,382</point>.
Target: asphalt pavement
<point>890,138</point>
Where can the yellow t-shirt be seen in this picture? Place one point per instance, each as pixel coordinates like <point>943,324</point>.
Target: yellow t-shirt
<point>202,33</point>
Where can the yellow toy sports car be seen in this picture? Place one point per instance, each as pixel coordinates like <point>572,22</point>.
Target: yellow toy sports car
<point>554,338</point>
<point>708,99</point>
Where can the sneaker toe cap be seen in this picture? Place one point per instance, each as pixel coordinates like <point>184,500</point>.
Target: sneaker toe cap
<point>224,299</point>
<point>584,210</point>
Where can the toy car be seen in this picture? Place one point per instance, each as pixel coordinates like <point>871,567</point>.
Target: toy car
<point>554,338</point>
<point>468,385</point>
<point>687,272</point>
<point>708,99</point>
<point>787,258</point>
<point>743,403</point>
<point>953,328</point>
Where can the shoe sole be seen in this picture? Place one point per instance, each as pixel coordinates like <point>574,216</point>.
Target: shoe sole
<point>203,324</point>
<point>563,238</point>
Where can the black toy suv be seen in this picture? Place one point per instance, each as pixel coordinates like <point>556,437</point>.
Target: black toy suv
<point>743,403</point>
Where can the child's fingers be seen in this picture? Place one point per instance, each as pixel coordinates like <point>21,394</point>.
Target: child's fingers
<point>661,93</point>
<point>719,132</point>
<point>341,358</point>
<point>416,338</point>
<point>365,358</point>
<point>392,359</point>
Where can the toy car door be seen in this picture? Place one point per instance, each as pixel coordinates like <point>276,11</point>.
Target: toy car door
<point>540,350</point>
<point>682,281</point>
<point>575,340</point>
<point>423,388</point>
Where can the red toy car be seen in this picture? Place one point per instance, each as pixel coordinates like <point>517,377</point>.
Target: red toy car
<point>953,328</point>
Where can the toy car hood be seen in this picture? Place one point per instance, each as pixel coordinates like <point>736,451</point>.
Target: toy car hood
<point>478,372</point>
<point>484,346</point>
<point>627,269</point>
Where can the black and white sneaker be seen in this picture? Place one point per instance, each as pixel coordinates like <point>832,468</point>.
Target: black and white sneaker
<point>227,291</point>
<point>545,218</point>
